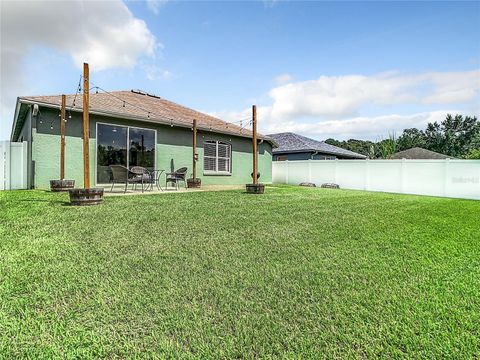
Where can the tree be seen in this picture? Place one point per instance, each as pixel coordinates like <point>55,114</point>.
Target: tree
<point>359,146</point>
<point>453,136</point>
<point>456,136</point>
<point>473,154</point>
<point>388,147</point>
<point>411,138</point>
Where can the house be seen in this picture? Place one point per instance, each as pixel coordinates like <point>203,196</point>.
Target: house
<point>419,153</point>
<point>297,147</point>
<point>133,128</point>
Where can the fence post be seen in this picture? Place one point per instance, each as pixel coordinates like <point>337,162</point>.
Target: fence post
<point>3,162</point>
<point>286,172</point>
<point>8,170</point>
<point>446,175</point>
<point>402,176</point>
<point>309,170</point>
<point>367,174</point>
<point>335,171</point>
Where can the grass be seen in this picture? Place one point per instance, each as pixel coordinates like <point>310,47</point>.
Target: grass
<point>295,273</point>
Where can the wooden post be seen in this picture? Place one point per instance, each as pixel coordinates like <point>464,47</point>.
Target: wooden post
<point>62,138</point>
<point>86,132</point>
<point>194,145</point>
<point>254,143</point>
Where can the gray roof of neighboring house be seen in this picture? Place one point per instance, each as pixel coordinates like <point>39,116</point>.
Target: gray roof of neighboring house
<point>419,153</point>
<point>289,142</point>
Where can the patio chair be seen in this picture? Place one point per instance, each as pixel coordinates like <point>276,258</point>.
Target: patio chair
<point>121,175</point>
<point>142,176</point>
<point>176,177</point>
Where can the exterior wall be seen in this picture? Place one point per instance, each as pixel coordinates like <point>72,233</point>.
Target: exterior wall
<point>173,149</point>
<point>302,156</point>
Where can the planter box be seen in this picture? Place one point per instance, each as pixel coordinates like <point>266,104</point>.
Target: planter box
<point>61,185</point>
<point>255,188</point>
<point>83,197</point>
<point>194,183</point>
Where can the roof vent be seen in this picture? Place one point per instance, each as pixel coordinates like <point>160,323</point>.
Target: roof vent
<point>141,92</point>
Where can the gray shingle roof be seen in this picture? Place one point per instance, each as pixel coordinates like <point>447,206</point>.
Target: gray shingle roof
<point>136,104</point>
<point>419,153</point>
<point>290,142</point>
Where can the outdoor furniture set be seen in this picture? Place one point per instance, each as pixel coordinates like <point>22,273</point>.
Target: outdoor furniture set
<point>147,179</point>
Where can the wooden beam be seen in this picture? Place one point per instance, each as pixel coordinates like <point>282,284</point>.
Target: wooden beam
<point>254,143</point>
<point>62,138</point>
<point>86,132</point>
<point>194,145</point>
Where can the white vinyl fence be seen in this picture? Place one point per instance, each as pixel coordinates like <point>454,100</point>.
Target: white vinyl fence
<point>449,178</point>
<point>13,165</point>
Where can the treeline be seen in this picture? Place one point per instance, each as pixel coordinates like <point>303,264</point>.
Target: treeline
<point>456,136</point>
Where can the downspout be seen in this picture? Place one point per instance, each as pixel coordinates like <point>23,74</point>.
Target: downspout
<point>313,155</point>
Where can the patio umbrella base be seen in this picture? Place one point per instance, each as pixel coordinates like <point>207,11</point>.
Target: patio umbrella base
<point>84,197</point>
<point>194,183</point>
<point>255,188</point>
<point>61,185</point>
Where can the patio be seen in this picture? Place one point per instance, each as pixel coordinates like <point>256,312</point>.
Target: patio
<point>119,191</point>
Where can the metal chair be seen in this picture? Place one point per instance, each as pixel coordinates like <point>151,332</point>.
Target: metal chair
<point>121,175</point>
<point>141,176</point>
<point>176,177</point>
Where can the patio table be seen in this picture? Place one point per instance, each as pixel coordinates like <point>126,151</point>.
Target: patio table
<point>156,174</point>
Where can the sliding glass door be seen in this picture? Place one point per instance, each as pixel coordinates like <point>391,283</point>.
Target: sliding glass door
<point>122,145</point>
<point>141,148</point>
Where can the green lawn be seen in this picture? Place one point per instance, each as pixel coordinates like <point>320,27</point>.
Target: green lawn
<point>296,273</point>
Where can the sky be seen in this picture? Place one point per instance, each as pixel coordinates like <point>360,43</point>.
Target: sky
<point>322,69</point>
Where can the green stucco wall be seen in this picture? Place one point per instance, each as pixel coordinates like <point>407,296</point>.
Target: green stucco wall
<point>172,144</point>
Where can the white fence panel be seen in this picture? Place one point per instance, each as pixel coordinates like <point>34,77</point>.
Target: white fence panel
<point>13,165</point>
<point>3,164</point>
<point>450,178</point>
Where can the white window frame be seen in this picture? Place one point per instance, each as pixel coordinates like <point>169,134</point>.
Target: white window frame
<point>216,172</point>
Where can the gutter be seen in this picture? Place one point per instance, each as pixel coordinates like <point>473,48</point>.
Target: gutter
<point>138,118</point>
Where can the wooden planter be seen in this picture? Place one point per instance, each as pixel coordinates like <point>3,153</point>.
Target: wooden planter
<point>82,197</point>
<point>194,183</point>
<point>255,188</point>
<point>61,185</point>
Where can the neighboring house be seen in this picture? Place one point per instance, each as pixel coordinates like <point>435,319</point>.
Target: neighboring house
<point>419,153</point>
<point>296,147</point>
<point>133,128</point>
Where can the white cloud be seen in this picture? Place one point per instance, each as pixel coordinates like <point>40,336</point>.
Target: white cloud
<point>343,96</point>
<point>338,106</point>
<point>155,5</point>
<point>283,79</point>
<point>153,72</point>
<point>103,33</point>
<point>363,127</point>
<point>270,3</point>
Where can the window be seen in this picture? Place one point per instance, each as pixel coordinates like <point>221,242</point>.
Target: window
<point>217,157</point>
<point>122,145</point>
<point>282,158</point>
